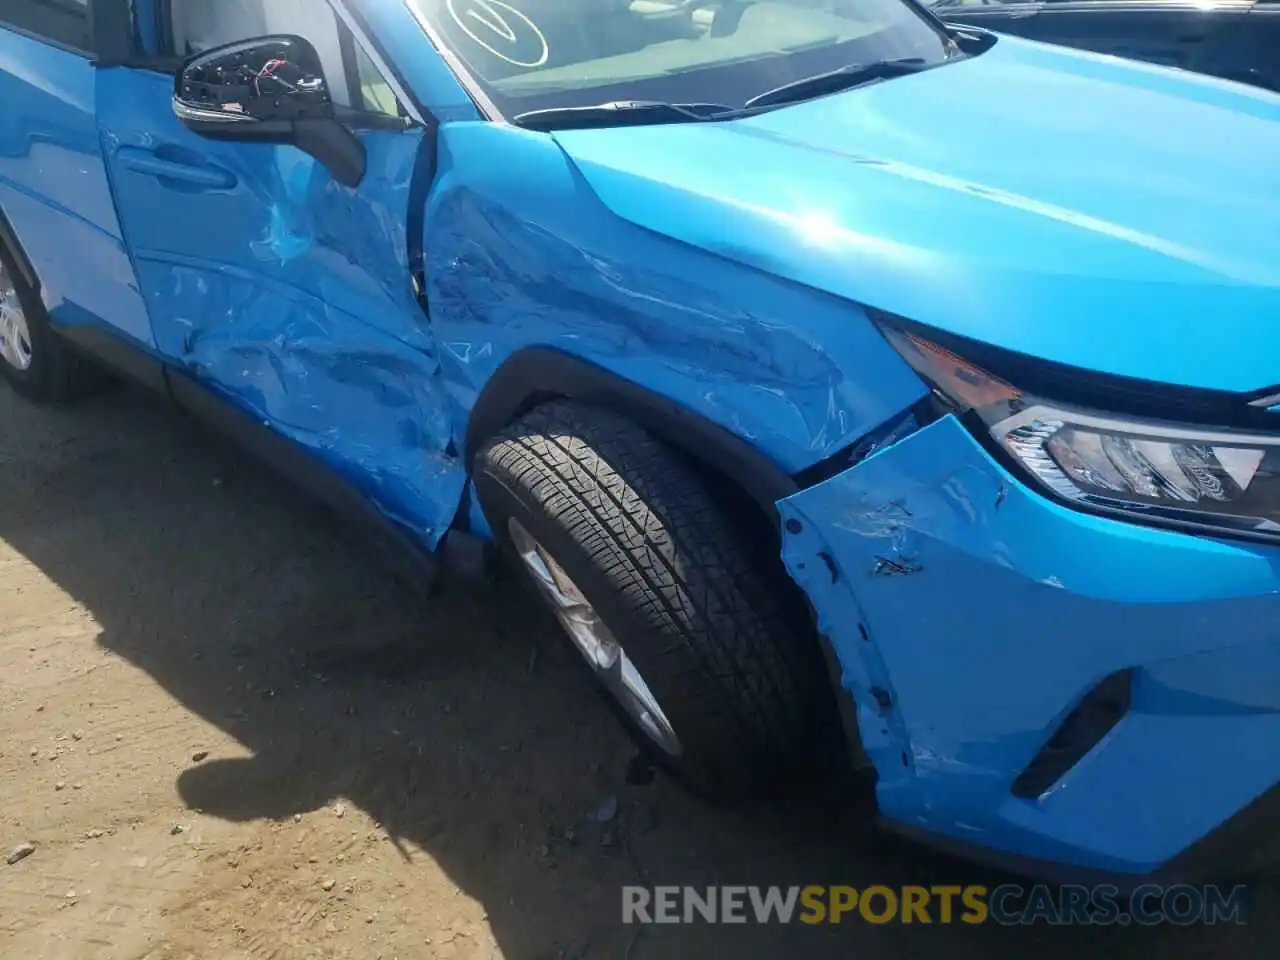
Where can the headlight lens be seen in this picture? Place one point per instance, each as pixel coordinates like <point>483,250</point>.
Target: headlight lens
<point>1182,474</point>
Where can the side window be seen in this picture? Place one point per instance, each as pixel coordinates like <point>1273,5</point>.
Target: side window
<point>354,82</point>
<point>376,95</point>
<point>198,25</point>
<point>65,22</point>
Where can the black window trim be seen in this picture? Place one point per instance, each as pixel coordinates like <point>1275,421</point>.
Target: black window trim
<point>87,54</point>
<point>347,44</point>
<point>351,17</point>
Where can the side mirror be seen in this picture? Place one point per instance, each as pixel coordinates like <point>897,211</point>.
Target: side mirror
<point>268,90</point>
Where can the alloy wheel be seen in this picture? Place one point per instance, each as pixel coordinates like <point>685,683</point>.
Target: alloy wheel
<point>15,335</point>
<point>594,640</point>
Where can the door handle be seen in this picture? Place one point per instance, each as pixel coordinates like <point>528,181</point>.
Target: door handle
<point>143,161</point>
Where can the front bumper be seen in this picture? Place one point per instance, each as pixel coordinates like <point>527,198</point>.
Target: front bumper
<point>972,616</point>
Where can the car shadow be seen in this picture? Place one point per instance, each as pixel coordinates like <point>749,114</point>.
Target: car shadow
<point>459,723</point>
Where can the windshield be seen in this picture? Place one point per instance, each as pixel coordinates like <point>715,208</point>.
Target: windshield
<point>544,54</point>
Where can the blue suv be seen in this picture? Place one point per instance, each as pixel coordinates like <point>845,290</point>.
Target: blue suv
<point>824,367</point>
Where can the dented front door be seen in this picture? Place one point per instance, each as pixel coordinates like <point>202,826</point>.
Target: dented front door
<point>287,293</point>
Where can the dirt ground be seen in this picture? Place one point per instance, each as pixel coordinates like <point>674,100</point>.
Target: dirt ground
<point>229,736</point>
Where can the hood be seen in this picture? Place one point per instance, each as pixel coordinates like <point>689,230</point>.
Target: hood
<point>1094,211</point>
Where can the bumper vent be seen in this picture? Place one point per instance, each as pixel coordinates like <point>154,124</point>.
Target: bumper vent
<point>1091,720</point>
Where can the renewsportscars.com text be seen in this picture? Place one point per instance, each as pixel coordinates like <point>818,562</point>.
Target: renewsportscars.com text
<point>1008,905</point>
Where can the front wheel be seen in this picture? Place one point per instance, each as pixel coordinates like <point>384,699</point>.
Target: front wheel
<point>659,591</point>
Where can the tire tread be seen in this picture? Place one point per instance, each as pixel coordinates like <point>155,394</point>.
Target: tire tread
<point>719,643</point>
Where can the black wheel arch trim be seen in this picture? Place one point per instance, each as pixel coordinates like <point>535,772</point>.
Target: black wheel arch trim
<point>9,240</point>
<point>537,374</point>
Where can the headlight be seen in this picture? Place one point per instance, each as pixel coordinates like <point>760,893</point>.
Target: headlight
<point>1164,471</point>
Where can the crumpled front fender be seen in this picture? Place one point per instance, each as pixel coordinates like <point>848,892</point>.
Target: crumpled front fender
<point>795,373</point>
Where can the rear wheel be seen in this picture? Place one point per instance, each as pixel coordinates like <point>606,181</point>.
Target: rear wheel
<point>33,359</point>
<point>660,593</point>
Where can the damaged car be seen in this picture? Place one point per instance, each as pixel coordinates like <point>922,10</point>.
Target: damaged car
<point>823,367</point>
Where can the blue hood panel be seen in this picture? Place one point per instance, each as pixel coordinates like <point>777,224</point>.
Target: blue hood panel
<point>1100,213</point>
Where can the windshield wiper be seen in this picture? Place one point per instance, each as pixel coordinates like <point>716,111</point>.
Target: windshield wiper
<point>842,78</point>
<point>621,113</point>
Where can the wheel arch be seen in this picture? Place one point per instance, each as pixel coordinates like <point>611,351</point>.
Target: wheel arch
<point>9,242</point>
<point>536,374</point>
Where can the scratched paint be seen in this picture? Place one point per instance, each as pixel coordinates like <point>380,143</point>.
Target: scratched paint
<point>983,648</point>
<point>798,373</point>
<point>290,295</point>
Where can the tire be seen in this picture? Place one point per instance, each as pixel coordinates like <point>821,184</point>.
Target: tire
<point>674,580</point>
<point>46,369</point>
